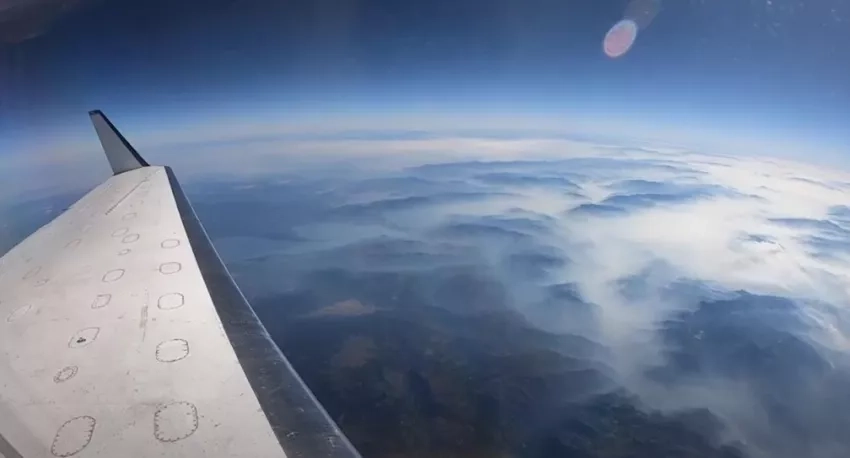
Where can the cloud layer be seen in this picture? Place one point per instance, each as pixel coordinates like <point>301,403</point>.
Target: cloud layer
<point>712,282</point>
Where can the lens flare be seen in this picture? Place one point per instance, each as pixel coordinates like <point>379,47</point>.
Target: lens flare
<point>620,38</point>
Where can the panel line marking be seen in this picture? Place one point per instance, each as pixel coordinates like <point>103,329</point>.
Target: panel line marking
<point>143,322</point>
<point>113,207</point>
<point>7,450</point>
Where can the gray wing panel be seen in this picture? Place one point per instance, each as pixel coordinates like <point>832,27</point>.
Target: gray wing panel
<point>109,340</point>
<point>121,332</point>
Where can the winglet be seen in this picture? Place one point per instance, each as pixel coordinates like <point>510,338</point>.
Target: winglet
<point>121,154</point>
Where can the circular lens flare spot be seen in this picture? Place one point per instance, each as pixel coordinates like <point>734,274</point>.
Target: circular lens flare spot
<point>620,38</point>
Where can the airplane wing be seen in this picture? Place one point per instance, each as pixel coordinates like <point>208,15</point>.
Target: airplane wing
<point>122,334</point>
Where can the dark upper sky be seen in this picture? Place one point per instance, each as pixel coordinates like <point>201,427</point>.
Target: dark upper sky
<point>771,64</point>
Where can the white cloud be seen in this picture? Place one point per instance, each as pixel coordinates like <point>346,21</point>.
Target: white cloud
<point>736,224</point>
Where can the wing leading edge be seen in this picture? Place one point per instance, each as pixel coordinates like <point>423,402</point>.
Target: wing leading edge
<point>123,332</point>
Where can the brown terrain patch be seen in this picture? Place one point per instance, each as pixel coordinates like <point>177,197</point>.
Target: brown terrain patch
<point>355,352</point>
<point>350,307</point>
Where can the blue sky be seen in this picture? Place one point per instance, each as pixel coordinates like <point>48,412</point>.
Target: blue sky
<point>773,70</point>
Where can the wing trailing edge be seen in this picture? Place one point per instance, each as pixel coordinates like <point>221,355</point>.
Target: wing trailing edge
<point>120,153</point>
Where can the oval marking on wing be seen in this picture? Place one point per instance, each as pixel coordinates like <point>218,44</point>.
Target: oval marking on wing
<point>73,436</point>
<point>170,243</point>
<point>65,374</point>
<point>32,272</point>
<point>73,243</point>
<point>171,301</point>
<point>175,421</point>
<point>120,231</point>
<point>113,275</point>
<point>172,350</point>
<point>83,337</point>
<point>123,252</point>
<point>169,268</point>
<point>101,301</point>
<point>130,238</point>
<point>18,313</point>
<point>42,281</point>
<point>129,216</point>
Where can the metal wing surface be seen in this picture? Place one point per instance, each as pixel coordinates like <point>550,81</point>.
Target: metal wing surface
<point>122,334</point>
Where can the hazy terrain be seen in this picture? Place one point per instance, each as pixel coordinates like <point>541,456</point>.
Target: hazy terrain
<point>636,303</point>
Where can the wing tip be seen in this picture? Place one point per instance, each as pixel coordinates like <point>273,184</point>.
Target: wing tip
<point>120,153</point>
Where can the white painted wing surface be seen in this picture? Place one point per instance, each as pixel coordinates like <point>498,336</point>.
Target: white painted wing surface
<point>121,334</point>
